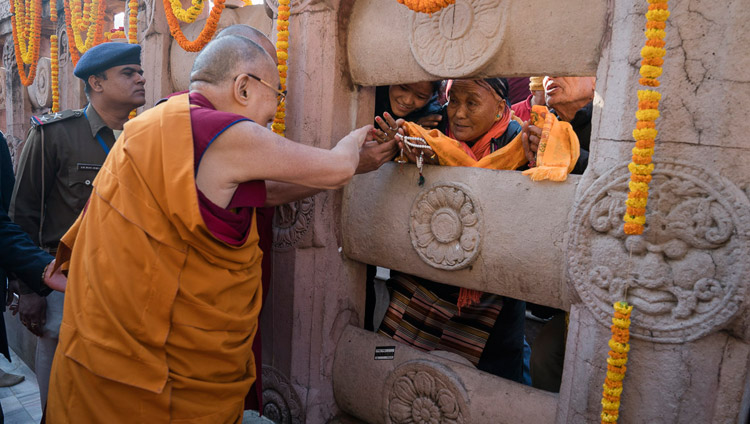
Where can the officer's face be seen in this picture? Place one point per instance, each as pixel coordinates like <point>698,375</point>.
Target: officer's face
<point>124,85</point>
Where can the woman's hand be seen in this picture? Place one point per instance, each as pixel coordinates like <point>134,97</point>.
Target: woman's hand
<point>388,127</point>
<point>530,137</point>
<point>430,121</point>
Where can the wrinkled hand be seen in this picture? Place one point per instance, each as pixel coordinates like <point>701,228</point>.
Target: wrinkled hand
<point>373,155</point>
<point>54,278</point>
<point>32,311</point>
<point>530,137</point>
<point>430,121</point>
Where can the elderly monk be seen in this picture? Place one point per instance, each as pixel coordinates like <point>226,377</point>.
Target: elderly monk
<point>164,267</point>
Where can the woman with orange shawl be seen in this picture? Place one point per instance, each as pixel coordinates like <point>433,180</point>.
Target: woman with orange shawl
<point>486,329</point>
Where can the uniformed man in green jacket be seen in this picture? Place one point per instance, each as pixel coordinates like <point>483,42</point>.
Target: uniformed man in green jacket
<point>60,159</point>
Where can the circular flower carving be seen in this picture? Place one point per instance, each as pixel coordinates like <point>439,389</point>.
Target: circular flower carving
<point>40,91</point>
<point>281,404</point>
<point>445,227</point>
<point>425,393</point>
<point>460,39</point>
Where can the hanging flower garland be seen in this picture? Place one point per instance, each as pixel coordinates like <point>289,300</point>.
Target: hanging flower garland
<point>118,34</point>
<point>28,26</point>
<point>426,6</point>
<point>206,34</point>
<point>81,16</point>
<point>618,357</point>
<point>55,63</point>
<point>133,22</point>
<point>282,45</point>
<point>648,111</point>
<point>191,14</point>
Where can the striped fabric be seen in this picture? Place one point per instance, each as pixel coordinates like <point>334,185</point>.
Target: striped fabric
<point>427,320</point>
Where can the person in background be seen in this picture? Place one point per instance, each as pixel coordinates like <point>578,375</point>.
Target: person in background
<point>61,157</point>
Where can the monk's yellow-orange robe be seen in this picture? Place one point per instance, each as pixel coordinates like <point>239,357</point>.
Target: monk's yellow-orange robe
<point>159,315</point>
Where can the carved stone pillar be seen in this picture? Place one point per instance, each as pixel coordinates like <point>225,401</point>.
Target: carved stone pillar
<point>688,274</point>
<point>17,103</point>
<point>154,37</point>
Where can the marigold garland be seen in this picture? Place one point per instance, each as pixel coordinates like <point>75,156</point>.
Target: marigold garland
<point>282,44</point>
<point>206,34</point>
<point>618,357</point>
<point>28,26</point>
<point>188,16</point>
<point>648,111</point>
<point>133,22</point>
<point>115,35</point>
<point>55,64</point>
<point>79,17</point>
<point>426,6</point>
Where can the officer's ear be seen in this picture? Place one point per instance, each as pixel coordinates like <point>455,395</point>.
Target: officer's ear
<point>95,81</point>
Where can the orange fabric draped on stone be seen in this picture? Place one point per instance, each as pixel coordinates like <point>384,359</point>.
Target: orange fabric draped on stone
<point>159,316</point>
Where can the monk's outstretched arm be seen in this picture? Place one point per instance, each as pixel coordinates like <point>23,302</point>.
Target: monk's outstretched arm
<point>247,151</point>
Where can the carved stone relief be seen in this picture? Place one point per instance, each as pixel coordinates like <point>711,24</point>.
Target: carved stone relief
<point>62,40</point>
<point>281,404</point>
<point>460,39</point>
<point>423,392</point>
<point>686,275</point>
<point>40,91</point>
<point>9,54</point>
<point>291,222</point>
<point>2,88</point>
<point>4,10</point>
<point>299,6</point>
<point>445,226</point>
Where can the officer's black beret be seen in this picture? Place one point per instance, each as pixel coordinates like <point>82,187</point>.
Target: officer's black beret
<point>107,55</point>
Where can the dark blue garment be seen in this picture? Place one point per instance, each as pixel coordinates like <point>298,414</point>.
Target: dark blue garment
<point>18,253</point>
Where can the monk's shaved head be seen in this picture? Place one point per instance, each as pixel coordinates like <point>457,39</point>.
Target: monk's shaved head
<point>252,34</point>
<point>225,57</point>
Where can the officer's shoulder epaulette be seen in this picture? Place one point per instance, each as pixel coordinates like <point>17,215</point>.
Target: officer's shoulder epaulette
<point>56,117</point>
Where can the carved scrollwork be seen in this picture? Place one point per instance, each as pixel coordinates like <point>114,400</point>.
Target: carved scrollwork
<point>423,392</point>
<point>291,222</point>
<point>9,55</point>
<point>62,43</point>
<point>686,275</point>
<point>2,88</point>
<point>445,226</point>
<point>460,39</point>
<point>40,91</point>
<point>281,404</point>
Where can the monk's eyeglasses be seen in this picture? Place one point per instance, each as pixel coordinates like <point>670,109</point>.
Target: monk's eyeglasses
<point>280,95</point>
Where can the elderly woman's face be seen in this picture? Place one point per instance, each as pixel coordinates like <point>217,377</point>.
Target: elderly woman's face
<point>407,98</point>
<point>472,109</point>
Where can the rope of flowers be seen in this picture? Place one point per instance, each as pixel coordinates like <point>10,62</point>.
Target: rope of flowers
<point>618,357</point>
<point>426,6</point>
<point>132,33</point>
<point>28,26</point>
<point>191,14</point>
<point>92,21</point>
<point>115,35</point>
<point>206,34</point>
<point>54,59</point>
<point>282,46</point>
<point>648,111</point>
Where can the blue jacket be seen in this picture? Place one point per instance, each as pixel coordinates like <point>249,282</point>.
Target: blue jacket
<point>18,253</point>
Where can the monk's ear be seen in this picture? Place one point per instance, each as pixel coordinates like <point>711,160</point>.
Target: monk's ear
<point>241,89</point>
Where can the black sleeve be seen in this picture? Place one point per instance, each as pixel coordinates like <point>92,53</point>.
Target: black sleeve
<point>583,161</point>
<point>19,255</point>
<point>503,353</point>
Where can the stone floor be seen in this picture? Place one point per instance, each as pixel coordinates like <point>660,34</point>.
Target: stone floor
<point>20,403</point>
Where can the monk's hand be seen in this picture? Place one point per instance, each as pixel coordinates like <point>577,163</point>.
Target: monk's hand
<point>374,154</point>
<point>349,146</point>
<point>530,137</point>
<point>430,121</point>
<point>54,277</point>
<point>32,311</point>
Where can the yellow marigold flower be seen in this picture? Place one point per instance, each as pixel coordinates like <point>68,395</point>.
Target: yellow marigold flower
<point>610,405</point>
<point>621,322</point>
<point>643,152</point>
<point>657,15</point>
<point>612,391</point>
<point>617,362</point>
<point>618,347</point>
<point>655,34</point>
<point>283,45</point>
<point>651,52</point>
<point>615,376</point>
<point>641,169</point>
<point>650,71</point>
<point>647,115</point>
<point>645,134</point>
<point>636,203</point>
<point>609,418</point>
<point>638,186</point>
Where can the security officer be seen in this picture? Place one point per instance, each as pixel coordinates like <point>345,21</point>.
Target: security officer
<point>61,157</point>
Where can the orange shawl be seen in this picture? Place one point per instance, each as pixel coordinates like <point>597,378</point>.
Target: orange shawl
<point>152,294</point>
